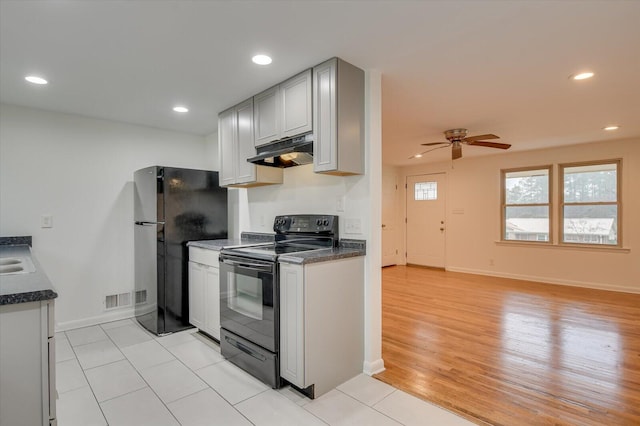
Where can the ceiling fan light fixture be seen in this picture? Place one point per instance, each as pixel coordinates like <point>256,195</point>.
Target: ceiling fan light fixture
<point>582,76</point>
<point>611,128</point>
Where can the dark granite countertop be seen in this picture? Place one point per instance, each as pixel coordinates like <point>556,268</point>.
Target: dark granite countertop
<point>322,255</point>
<point>347,248</point>
<point>246,239</point>
<point>26,287</point>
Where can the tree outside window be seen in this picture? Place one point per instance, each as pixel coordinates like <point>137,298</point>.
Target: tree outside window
<point>590,207</point>
<point>526,204</point>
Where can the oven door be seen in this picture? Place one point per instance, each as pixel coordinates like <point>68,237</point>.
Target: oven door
<point>249,299</point>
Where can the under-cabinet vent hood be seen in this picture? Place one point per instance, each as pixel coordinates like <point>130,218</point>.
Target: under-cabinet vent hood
<point>285,153</point>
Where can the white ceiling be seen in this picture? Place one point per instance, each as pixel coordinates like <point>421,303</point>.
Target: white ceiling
<point>490,66</point>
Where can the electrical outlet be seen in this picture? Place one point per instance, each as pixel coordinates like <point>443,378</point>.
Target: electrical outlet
<point>490,262</point>
<point>46,221</point>
<point>340,203</point>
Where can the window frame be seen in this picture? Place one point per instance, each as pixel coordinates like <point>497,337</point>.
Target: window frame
<point>562,204</point>
<point>504,205</point>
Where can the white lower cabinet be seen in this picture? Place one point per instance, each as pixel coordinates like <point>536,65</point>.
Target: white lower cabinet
<point>204,290</point>
<point>321,323</point>
<point>27,364</point>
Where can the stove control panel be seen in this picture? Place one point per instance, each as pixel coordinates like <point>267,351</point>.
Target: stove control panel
<point>306,223</point>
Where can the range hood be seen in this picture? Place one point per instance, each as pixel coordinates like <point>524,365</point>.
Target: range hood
<point>285,153</point>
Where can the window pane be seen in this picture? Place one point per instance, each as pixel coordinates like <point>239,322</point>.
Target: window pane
<point>590,184</point>
<point>527,187</point>
<point>426,191</point>
<point>591,224</point>
<point>527,223</point>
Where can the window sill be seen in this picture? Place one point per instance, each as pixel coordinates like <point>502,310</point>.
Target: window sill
<point>586,247</point>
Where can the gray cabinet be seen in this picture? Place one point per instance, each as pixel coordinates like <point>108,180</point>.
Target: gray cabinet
<point>27,364</point>
<point>236,144</point>
<point>338,118</point>
<point>321,323</point>
<point>284,110</point>
<point>204,290</point>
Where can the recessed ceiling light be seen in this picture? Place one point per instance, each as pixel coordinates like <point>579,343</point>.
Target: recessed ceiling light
<point>261,59</point>
<point>35,79</point>
<point>180,109</point>
<point>418,156</point>
<point>582,76</point>
<point>611,128</point>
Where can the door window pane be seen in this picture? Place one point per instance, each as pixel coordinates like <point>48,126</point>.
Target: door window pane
<point>425,191</point>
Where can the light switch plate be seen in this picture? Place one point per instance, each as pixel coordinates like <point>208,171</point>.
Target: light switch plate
<point>46,221</point>
<point>353,226</point>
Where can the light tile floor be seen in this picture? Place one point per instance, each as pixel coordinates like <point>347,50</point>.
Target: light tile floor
<point>118,374</point>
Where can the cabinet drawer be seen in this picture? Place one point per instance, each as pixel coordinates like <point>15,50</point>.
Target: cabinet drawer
<point>204,256</point>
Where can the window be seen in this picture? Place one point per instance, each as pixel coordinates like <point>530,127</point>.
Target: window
<point>590,209</point>
<point>425,191</point>
<point>526,204</point>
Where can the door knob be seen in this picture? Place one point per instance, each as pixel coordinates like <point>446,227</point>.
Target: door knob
<point>384,226</point>
<point>442,229</point>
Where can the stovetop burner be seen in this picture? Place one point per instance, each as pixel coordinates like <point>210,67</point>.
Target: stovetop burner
<point>294,234</point>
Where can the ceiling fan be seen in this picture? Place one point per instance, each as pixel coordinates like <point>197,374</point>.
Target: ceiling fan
<point>457,137</point>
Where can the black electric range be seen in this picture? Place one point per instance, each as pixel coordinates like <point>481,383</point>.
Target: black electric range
<point>250,294</point>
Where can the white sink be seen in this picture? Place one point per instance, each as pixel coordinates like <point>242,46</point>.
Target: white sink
<point>16,265</point>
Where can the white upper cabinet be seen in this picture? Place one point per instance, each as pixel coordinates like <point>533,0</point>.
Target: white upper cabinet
<point>226,142</point>
<point>338,118</point>
<point>236,144</point>
<point>284,110</point>
<point>267,116</point>
<point>296,105</point>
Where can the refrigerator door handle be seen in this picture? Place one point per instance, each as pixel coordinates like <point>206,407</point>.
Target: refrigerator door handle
<point>143,223</point>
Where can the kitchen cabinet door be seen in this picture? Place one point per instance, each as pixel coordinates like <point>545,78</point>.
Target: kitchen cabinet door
<point>266,117</point>
<point>212,301</point>
<point>246,172</point>
<point>296,105</point>
<point>226,146</point>
<point>292,324</point>
<point>27,364</point>
<point>338,118</point>
<point>196,294</point>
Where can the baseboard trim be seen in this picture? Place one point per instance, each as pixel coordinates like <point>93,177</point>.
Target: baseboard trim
<point>545,280</point>
<point>99,319</point>
<point>373,367</point>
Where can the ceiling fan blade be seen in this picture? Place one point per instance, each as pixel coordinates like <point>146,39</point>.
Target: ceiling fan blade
<point>435,143</point>
<point>478,137</point>
<point>456,151</point>
<point>490,144</point>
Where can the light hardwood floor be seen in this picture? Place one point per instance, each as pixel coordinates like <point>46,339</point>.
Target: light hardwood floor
<point>508,352</point>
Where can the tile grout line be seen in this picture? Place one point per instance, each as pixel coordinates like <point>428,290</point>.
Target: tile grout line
<point>143,379</point>
<point>87,379</point>
<point>370,406</point>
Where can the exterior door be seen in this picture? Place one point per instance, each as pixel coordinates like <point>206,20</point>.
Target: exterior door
<point>426,225</point>
<point>389,216</point>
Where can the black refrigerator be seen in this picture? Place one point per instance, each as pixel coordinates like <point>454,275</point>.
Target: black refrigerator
<point>171,207</point>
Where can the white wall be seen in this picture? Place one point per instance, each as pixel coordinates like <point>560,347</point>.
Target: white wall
<point>80,170</point>
<point>473,185</point>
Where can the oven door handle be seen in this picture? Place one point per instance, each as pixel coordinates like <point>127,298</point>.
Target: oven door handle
<point>248,265</point>
<point>244,349</point>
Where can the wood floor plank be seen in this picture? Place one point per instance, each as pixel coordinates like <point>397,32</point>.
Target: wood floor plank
<point>509,352</point>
